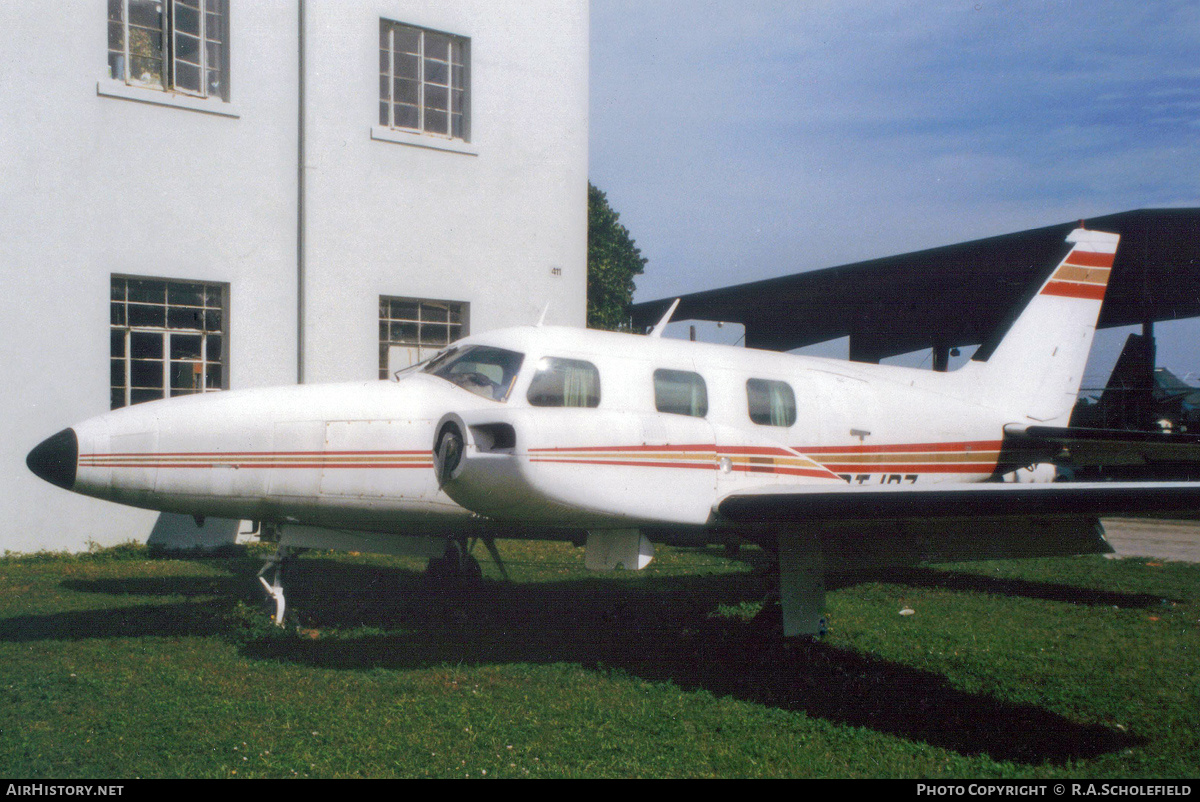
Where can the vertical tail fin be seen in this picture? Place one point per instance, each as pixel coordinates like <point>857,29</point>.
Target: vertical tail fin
<point>1038,366</point>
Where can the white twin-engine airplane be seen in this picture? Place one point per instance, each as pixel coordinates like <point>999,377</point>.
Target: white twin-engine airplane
<point>620,440</point>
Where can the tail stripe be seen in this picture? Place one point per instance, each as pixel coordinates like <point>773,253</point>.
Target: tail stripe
<point>1083,274</point>
<point>1070,289</point>
<point>1088,275</point>
<point>1090,258</point>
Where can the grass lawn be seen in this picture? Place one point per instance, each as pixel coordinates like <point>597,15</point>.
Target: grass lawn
<point>119,664</point>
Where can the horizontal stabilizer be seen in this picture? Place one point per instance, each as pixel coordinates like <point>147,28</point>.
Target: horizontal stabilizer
<point>1105,447</point>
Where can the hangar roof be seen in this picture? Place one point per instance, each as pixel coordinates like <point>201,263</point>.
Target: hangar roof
<point>957,295</point>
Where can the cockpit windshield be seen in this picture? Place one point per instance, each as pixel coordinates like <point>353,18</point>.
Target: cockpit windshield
<point>482,369</point>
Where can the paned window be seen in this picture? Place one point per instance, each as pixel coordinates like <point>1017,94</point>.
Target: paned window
<point>423,81</point>
<point>771,403</point>
<point>680,392</point>
<point>168,338</point>
<point>411,330</point>
<point>564,383</point>
<point>175,45</point>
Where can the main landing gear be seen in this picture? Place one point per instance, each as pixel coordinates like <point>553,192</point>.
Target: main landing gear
<point>455,567</point>
<point>458,567</point>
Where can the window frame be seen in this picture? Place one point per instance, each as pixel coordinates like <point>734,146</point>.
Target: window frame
<point>211,48</point>
<point>212,354</point>
<point>425,348</point>
<point>388,124</point>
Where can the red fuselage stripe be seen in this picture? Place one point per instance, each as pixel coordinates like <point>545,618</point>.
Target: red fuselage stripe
<point>257,465</point>
<point>232,454</point>
<point>967,447</point>
<point>925,467</point>
<point>709,448</point>
<point>978,456</point>
<point>707,466</point>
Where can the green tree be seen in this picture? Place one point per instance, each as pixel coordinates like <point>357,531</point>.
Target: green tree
<point>613,261</point>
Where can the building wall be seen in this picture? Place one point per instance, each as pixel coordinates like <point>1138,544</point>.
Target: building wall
<point>96,181</point>
<point>505,214</point>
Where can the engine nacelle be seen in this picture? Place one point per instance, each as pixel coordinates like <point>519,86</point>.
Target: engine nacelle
<point>477,465</point>
<point>578,468</point>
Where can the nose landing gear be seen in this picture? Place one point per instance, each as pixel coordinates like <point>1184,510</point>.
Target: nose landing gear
<point>276,566</point>
<point>455,570</point>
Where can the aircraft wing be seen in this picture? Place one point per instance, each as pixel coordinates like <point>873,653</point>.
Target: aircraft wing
<point>818,504</point>
<point>817,529</point>
<point>1104,447</point>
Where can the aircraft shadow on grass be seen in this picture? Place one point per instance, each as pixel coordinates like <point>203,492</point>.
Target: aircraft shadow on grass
<point>658,628</point>
<point>935,579</point>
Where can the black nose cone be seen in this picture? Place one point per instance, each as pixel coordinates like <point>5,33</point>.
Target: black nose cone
<point>55,459</point>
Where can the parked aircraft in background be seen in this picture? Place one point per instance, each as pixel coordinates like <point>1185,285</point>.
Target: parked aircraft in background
<point>619,441</point>
<point>1141,397</point>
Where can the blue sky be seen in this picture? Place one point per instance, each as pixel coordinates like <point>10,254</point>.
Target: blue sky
<point>750,139</point>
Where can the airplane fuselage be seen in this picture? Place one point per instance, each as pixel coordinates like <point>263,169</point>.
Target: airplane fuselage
<point>361,455</point>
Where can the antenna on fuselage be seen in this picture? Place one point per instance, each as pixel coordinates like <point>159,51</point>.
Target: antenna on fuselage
<point>661,325</point>
<point>542,318</point>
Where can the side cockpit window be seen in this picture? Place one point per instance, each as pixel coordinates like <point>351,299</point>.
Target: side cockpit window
<point>680,392</point>
<point>771,403</point>
<point>481,369</point>
<point>564,383</point>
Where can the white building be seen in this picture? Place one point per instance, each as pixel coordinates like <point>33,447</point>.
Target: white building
<point>199,195</point>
